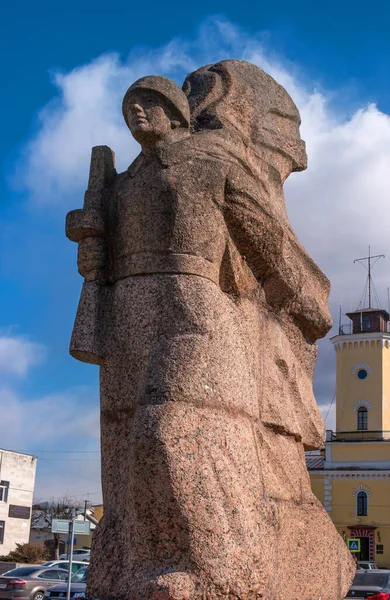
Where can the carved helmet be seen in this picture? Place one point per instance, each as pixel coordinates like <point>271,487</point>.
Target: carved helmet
<point>172,94</point>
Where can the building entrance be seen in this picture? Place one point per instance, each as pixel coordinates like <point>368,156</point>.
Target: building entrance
<point>367,541</point>
<point>364,553</point>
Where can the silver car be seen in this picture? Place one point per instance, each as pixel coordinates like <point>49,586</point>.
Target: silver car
<point>77,587</point>
<point>30,582</point>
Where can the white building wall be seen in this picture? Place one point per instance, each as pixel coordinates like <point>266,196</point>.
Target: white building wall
<point>19,470</point>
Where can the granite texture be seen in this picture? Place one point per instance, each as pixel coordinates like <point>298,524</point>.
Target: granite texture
<point>202,309</point>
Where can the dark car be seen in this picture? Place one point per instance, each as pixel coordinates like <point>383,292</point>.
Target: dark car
<point>373,584</point>
<point>29,583</point>
<point>77,587</point>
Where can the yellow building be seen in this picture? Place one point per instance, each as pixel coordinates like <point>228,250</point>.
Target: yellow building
<point>351,477</point>
<point>97,511</point>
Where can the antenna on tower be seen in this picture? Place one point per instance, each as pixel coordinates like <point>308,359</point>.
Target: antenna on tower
<point>369,268</point>
<point>340,329</point>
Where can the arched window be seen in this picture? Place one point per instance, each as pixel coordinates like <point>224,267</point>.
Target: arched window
<point>362,418</point>
<point>361,504</point>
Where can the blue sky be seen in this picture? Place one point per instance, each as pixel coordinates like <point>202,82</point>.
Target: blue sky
<point>64,71</point>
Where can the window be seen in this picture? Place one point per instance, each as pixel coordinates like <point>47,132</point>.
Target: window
<point>362,423</point>
<point>75,567</point>
<point>80,576</point>
<point>49,574</point>
<point>2,526</point>
<point>366,322</point>
<point>63,575</point>
<point>362,373</point>
<point>4,487</point>
<point>370,579</point>
<point>362,504</point>
<point>65,565</point>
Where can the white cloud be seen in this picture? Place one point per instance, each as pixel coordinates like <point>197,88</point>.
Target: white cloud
<point>85,113</point>
<point>340,206</point>
<point>62,429</point>
<point>337,207</point>
<point>18,355</point>
<point>51,420</point>
<point>86,110</point>
<point>59,418</point>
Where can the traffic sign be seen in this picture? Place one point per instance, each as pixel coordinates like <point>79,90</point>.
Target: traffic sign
<point>353,544</point>
<point>62,526</point>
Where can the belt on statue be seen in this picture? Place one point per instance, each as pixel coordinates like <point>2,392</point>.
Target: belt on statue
<point>147,263</point>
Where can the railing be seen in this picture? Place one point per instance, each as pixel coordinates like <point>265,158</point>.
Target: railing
<point>345,329</point>
<point>357,436</point>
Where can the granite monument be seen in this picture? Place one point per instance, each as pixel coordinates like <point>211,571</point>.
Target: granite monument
<point>203,310</point>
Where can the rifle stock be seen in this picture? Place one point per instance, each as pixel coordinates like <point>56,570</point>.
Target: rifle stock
<point>88,226</point>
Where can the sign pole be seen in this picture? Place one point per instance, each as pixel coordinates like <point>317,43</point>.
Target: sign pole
<point>70,526</point>
<point>68,543</point>
<point>71,533</point>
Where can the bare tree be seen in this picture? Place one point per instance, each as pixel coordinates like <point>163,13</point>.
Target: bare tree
<point>57,508</point>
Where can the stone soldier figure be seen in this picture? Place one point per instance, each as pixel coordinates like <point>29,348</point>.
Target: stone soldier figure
<point>202,309</point>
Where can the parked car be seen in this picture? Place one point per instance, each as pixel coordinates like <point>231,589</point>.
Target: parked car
<point>77,587</point>
<point>83,554</point>
<point>373,584</point>
<point>64,564</point>
<point>366,564</point>
<point>29,583</point>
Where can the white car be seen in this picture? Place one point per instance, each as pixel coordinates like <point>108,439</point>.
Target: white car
<point>366,565</point>
<point>83,554</point>
<point>64,564</point>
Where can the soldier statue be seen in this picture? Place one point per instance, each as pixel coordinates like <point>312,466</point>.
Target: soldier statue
<point>202,309</point>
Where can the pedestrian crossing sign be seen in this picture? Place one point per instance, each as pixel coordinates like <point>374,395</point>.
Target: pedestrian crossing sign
<point>353,544</point>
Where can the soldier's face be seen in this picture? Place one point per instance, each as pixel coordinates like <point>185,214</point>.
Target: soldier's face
<point>148,117</point>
